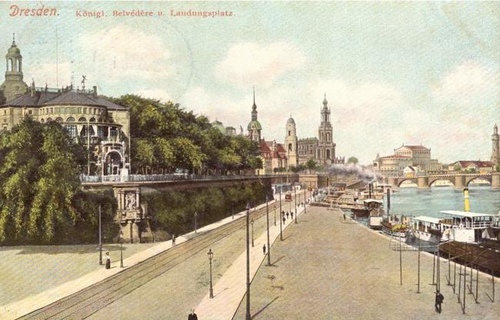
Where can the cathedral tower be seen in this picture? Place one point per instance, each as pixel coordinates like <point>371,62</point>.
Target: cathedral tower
<point>13,85</point>
<point>495,150</point>
<point>254,128</point>
<point>325,153</point>
<point>291,143</point>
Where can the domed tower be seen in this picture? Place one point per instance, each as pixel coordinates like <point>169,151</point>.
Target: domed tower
<point>13,85</point>
<point>291,142</point>
<point>254,128</point>
<point>325,154</point>
<point>495,150</point>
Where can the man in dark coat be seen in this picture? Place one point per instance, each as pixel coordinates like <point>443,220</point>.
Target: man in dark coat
<point>192,315</point>
<point>439,300</point>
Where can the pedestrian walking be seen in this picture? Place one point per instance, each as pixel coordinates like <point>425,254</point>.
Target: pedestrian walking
<point>284,219</point>
<point>439,300</point>
<point>108,261</point>
<point>291,214</point>
<point>192,315</point>
<point>173,240</point>
<point>264,249</point>
<point>287,214</point>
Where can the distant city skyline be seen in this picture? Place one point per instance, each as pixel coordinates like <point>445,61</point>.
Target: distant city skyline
<point>393,73</point>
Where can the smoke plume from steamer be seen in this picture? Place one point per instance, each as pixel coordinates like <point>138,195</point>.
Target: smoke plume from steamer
<point>367,176</point>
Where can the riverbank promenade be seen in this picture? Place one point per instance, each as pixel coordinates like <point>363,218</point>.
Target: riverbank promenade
<point>325,268</point>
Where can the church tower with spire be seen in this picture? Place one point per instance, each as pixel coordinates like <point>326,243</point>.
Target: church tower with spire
<point>254,127</point>
<point>325,153</point>
<point>291,143</point>
<point>13,86</point>
<point>495,150</point>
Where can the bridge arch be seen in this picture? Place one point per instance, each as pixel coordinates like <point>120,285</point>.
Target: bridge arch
<point>482,177</point>
<point>433,180</point>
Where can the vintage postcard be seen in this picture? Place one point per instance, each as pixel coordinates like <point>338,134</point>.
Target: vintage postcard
<point>369,78</point>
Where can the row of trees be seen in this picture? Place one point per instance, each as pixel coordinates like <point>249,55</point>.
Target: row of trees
<point>174,211</point>
<point>40,196</point>
<point>165,137</point>
<point>41,200</point>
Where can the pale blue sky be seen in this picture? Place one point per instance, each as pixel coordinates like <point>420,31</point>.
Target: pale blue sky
<point>393,72</point>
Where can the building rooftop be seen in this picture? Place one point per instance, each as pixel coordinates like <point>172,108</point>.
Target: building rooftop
<point>41,97</point>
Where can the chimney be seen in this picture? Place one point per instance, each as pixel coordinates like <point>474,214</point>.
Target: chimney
<point>95,92</point>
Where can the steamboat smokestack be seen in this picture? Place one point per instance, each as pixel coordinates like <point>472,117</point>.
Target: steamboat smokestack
<point>466,200</point>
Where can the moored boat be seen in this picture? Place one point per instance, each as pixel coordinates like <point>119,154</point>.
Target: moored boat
<point>396,226</point>
<point>370,207</point>
<point>427,229</point>
<point>453,225</point>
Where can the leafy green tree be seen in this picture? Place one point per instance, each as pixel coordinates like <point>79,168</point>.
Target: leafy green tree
<point>352,160</point>
<point>55,188</point>
<point>166,137</point>
<point>38,178</point>
<point>311,165</point>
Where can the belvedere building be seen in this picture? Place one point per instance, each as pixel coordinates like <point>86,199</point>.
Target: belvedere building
<point>102,125</point>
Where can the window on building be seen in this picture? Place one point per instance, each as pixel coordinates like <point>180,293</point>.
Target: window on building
<point>72,130</point>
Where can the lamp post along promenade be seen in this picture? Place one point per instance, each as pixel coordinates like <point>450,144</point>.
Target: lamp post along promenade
<point>268,242</point>
<point>121,249</point>
<point>100,237</point>
<point>252,233</point>
<point>210,256</point>
<point>295,202</point>
<point>195,222</point>
<point>248,317</point>
<point>281,219</point>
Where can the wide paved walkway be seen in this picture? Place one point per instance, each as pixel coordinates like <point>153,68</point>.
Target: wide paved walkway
<point>325,268</point>
<point>330,269</point>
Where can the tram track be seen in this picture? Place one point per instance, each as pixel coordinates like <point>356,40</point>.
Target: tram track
<point>98,296</point>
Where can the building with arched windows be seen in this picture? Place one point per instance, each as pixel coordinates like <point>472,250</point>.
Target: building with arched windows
<point>94,120</point>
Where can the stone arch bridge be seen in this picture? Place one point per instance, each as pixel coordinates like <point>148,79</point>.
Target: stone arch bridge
<point>460,180</point>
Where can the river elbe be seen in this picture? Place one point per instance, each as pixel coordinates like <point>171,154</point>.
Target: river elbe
<point>428,202</point>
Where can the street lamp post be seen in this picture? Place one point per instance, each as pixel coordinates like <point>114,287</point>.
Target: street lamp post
<point>295,201</point>
<point>268,246</point>
<point>121,249</point>
<point>252,232</point>
<point>210,256</point>
<point>195,222</point>
<point>281,219</point>
<point>275,215</point>
<point>305,200</point>
<point>100,237</point>
<point>248,317</point>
